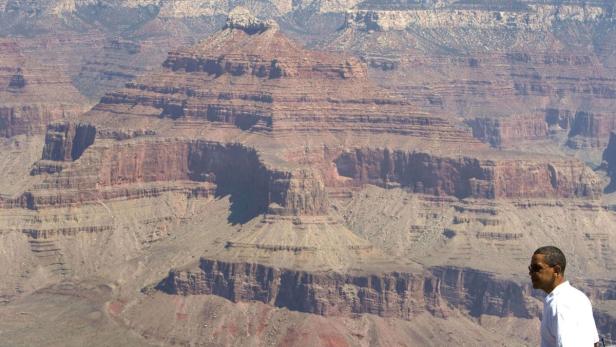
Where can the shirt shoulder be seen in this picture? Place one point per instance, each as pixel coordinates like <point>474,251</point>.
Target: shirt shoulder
<point>568,303</point>
<point>569,297</point>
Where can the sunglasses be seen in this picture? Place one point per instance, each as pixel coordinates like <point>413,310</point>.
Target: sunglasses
<point>536,268</point>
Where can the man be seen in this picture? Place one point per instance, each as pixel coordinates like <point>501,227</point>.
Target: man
<point>567,312</point>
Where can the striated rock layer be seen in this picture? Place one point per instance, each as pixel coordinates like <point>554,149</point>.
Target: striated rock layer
<point>469,177</point>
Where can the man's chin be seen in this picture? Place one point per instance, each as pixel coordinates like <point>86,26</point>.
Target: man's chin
<point>535,285</point>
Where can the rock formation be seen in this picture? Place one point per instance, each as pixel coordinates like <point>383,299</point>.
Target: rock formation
<point>469,177</point>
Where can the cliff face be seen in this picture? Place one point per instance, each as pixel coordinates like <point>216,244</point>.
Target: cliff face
<point>469,177</point>
<point>539,42</point>
<point>549,11</point>
<point>32,119</point>
<point>254,79</point>
<point>233,168</point>
<point>399,295</point>
<point>591,130</point>
<point>532,17</point>
<point>439,291</point>
<point>295,192</point>
<point>180,8</point>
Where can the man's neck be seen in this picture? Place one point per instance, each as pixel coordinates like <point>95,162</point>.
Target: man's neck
<point>558,281</point>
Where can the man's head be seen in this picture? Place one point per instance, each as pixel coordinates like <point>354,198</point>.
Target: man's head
<point>547,268</point>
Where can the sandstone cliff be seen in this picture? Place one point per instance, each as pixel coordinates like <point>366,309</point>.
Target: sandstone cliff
<point>591,130</point>
<point>103,169</point>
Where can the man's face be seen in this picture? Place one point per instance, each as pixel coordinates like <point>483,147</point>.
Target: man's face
<point>541,274</point>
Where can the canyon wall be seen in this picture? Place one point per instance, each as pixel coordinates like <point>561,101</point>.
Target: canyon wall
<point>494,64</point>
<point>469,177</point>
<point>164,164</point>
<point>395,294</point>
<point>535,14</point>
<point>533,17</point>
<point>275,90</point>
<point>248,117</point>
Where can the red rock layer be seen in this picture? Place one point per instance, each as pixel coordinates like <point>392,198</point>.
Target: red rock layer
<point>469,177</point>
<point>67,141</point>
<point>32,119</point>
<point>265,84</point>
<point>150,166</point>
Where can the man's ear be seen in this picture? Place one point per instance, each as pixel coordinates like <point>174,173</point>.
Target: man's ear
<point>558,269</point>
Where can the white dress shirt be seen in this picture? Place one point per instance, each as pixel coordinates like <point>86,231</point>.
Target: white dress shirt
<point>567,319</point>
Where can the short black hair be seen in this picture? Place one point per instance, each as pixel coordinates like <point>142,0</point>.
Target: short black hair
<point>553,256</point>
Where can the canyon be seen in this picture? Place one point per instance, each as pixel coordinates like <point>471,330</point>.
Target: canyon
<point>301,173</point>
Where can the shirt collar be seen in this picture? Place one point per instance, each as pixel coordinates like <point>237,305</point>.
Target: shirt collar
<point>560,287</point>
